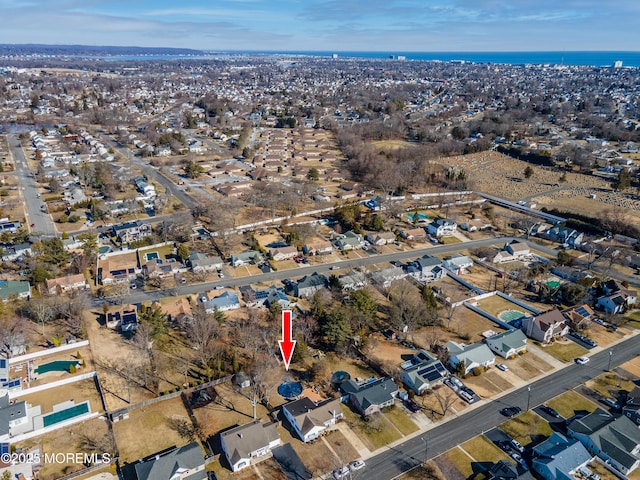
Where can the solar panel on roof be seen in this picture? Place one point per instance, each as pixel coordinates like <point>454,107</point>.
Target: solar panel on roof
<point>3,363</point>
<point>4,448</point>
<point>14,383</point>
<point>582,311</point>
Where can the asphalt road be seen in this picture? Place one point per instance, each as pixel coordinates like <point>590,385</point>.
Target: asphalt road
<point>407,455</point>
<point>137,296</point>
<point>42,221</point>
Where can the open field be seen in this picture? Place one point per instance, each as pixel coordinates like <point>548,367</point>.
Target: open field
<point>401,421</point>
<point>148,430</point>
<point>633,319</point>
<point>489,383</point>
<point>484,450</point>
<point>527,428</point>
<point>467,322</point>
<point>353,366</point>
<point>78,392</point>
<point>564,350</point>
<point>528,365</point>
<point>602,336</point>
<point>569,403</point>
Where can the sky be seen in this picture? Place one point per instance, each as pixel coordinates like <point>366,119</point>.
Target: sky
<point>328,25</point>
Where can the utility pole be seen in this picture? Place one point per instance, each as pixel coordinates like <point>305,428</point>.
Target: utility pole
<point>528,396</point>
<point>610,356</point>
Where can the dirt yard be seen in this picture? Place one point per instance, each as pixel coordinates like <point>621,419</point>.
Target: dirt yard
<point>147,430</point>
<point>78,392</point>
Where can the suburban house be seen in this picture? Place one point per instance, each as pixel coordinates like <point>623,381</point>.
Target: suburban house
<point>131,231</point>
<point>426,268</point>
<point>386,276</point>
<point>283,253</point>
<point>56,286</point>
<point>245,444</point>
<point>201,262</point>
<point>559,457</point>
<point>318,247</point>
<point>417,234</point>
<point>471,356</point>
<point>244,258</point>
<point>14,289</point>
<point>223,302</point>
<point>476,224</point>
<point>145,188</point>
<point>309,284</point>
<point>348,241</point>
<point>569,273</point>
<point>12,253</point>
<point>183,463</point>
<point>507,344</point>
<point>457,263</point>
<point>311,419</point>
<point>117,268</point>
<point>503,470</point>
<point>122,317</point>
<point>441,227</point>
<point>579,316</point>
<point>12,416</point>
<point>546,326</point>
<point>380,238</point>
<point>632,406</point>
<point>370,397</point>
<point>614,440</point>
<point>515,250</point>
<point>264,297</point>
<point>564,235</point>
<point>422,372</point>
<point>157,268</point>
<point>353,280</point>
<point>617,298</point>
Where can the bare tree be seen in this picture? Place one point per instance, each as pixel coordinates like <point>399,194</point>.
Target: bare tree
<point>202,332</point>
<point>445,397</point>
<point>41,311</point>
<point>12,329</point>
<point>408,310</point>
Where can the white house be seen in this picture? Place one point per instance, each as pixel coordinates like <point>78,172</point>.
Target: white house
<point>310,419</point>
<point>457,263</point>
<point>508,344</point>
<point>441,227</point>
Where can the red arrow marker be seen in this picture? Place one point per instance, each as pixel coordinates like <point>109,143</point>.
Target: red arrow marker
<point>287,344</point>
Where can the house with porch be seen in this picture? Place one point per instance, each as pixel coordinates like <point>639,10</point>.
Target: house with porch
<point>380,238</point>
<point>59,285</point>
<point>245,258</point>
<point>471,356</point>
<point>507,344</point>
<point>348,241</point>
<point>319,247</point>
<point>426,268</point>
<point>442,227</point>
<point>372,396</point>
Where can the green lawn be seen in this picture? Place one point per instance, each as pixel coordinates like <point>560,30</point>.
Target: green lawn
<point>450,240</point>
<point>400,420</point>
<point>376,431</point>
<point>571,402</point>
<point>565,352</point>
<point>527,427</point>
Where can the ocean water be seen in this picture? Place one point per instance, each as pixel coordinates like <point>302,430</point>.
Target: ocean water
<point>595,58</point>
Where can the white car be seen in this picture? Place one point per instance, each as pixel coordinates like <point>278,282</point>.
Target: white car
<point>582,360</point>
<point>341,472</point>
<point>503,367</point>
<point>356,465</point>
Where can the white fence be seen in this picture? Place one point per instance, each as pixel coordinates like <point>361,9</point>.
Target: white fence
<point>50,351</point>
<point>58,383</point>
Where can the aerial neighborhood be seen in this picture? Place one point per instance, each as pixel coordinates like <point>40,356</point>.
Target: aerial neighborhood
<point>457,266</point>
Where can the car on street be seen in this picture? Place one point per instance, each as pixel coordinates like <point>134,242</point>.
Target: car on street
<point>356,465</point>
<point>510,411</point>
<point>220,274</point>
<point>341,472</point>
<point>549,411</point>
<point>582,360</point>
<point>503,367</point>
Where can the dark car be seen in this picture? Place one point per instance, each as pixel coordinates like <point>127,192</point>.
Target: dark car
<point>413,406</point>
<point>549,411</point>
<point>510,411</point>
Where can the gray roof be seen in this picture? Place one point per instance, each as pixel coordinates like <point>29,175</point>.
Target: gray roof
<point>373,393</point>
<point>224,300</point>
<point>13,287</point>
<point>428,261</point>
<point>164,466</point>
<point>616,438</point>
<point>509,340</point>
<point>241,441</point>
<point>560,455</point>
<point>474,353</point>
<point>309,414</point>
<point>10,412</point>
<point>313,280</point>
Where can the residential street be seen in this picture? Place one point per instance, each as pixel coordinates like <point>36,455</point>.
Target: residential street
<point>404,455</point>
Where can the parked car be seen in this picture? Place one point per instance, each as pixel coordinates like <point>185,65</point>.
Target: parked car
<point>503,367</point>
<point>549,411</point>
<point>612,403</point>
<point>413,406</point>
<point>516,445</point>
<point>510,411</point>
<point>582,360</point>
<point>133,286</point>
<point>356,465</point>
<point>341,472</point>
